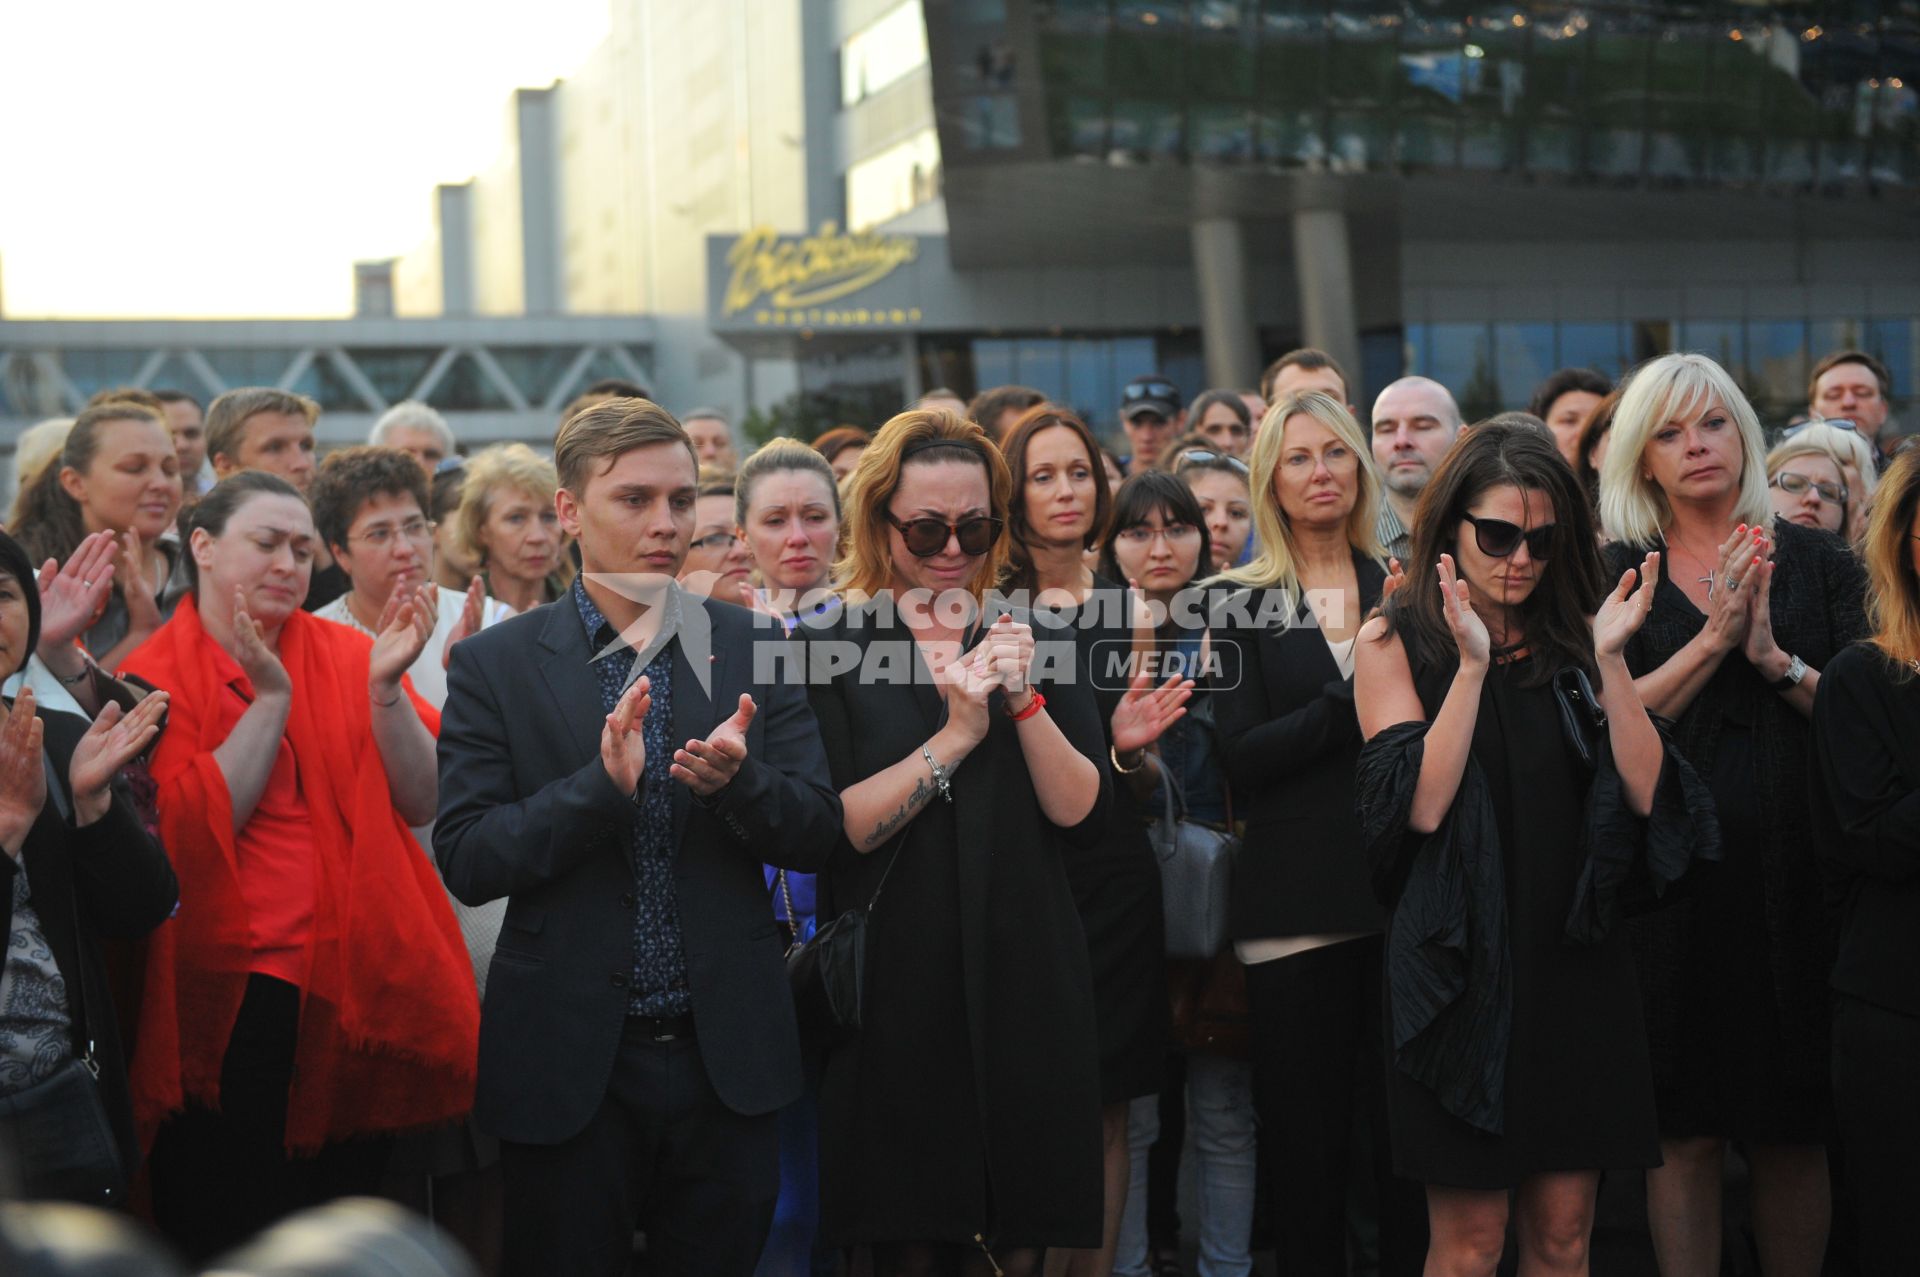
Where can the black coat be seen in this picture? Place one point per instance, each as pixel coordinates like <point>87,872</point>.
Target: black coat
<point>527,811</point>
<point>1291,739</point>
<point>115,881</point>
<point>970,1101</point>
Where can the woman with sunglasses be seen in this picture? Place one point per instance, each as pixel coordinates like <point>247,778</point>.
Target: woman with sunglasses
<point>1866,747</point>
<point>1058,511</point>
<point>1222,484</point>
<point>1158,538</point>
<point>1507,822</point>
<point>960,1128</point>
<point>1304,920</point>
<point>1735,978</point>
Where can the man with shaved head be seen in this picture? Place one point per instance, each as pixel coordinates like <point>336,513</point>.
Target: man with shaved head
<point>1415,421</point>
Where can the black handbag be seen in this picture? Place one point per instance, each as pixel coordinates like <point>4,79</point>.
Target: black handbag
<point>1582,721</point>
<point>828,971</point>
<point>62,1141</point>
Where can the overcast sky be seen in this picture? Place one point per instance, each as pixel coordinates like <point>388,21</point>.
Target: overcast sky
<point>235,157</point>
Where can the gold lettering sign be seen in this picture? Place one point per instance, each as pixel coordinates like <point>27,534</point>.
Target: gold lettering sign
<point>800,272</point>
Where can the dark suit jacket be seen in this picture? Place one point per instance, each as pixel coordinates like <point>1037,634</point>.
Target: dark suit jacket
<point>527,811</point>
<point>1292,741</point>
<point>114,881</point>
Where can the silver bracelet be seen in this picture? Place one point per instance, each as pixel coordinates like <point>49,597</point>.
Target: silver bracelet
<point>940,774</point>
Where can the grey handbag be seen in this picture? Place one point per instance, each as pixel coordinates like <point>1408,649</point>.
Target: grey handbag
<point>1196,875</point>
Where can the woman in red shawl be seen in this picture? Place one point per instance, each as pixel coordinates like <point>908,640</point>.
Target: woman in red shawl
<point>312,995</point>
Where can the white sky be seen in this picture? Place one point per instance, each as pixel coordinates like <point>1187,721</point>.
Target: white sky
<point>199,158</point>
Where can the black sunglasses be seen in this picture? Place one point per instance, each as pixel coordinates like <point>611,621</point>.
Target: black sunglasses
<point>1498,538</point>
<point>1135,391</point>
<point>928,537</point>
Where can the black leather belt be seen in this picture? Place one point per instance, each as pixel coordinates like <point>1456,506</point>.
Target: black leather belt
<point>663,1028</point>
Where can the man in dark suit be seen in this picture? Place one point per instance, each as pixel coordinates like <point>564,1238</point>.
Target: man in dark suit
<point>609,764</point>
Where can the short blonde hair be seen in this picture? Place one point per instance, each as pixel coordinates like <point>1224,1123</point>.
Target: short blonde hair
<point>1276,563</point>
<point>507,465</point>
<point>1843,447</point>
<point>1633,509</point>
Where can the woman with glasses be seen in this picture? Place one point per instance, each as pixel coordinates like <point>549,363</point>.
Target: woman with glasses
<point>960,1128</point>
<point>1866,747</point>
<point>371,512</point>
<point>1807,487</point>
<point>1859,473</point>
<point>1735,978</point>
<point>719,564</point>
<point>1058,511</point>
<point>1304,920</point>
<point>1158,538</point>
<point>507,525</point>
<point>1514,798</point>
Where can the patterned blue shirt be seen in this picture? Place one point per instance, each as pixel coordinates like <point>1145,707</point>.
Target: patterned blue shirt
<point>659,984</point>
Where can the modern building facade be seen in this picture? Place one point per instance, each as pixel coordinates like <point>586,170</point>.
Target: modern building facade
<point>818,209</point>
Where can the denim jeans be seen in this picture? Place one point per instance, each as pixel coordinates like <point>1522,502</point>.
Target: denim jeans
<point>1220,1124</point>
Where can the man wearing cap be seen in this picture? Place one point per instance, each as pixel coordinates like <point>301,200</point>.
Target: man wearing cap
<point>1152,415</point>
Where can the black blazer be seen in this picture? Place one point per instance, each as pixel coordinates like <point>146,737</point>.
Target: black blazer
<point>1291,741</point>
<point>114,878</point>
<point>527,811</point>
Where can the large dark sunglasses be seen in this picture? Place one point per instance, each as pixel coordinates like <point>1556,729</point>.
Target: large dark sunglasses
<point>1497,538</point>
<point>928,537</point>
<point>1135,391</point>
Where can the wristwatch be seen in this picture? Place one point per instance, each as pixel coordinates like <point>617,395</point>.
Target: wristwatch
<point>1796,670</point>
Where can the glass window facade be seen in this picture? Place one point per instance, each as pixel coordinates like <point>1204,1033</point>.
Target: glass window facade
<point>1084,372</point>
<point>1647,95</point>
<point>1495,366</point>
<point>888,49</point>
<point>896,180</point>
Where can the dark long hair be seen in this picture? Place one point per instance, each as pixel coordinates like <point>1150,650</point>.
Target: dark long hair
<point>1044,417</point>
<point>1141,495</point>
<point>15,563</point>
<point>1571,585</point>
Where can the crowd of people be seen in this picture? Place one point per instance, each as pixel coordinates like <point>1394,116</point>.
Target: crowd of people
<point>750,860</point>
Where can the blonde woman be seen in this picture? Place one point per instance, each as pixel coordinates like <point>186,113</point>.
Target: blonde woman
<point>1305,921</point>
<point>1866,744</point>
<point>506,521</point>
<point>1748,612</point>
<point>1858,469</point>
<point>1808,486</point>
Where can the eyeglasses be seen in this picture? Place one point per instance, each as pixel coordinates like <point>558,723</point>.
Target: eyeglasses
<point>380,536</point>
<point>1135,391</point>
<point>1796,485</point>
<point>717,541</point>
<point>1142,534</point>
<point>928,537</point>
<point>1838,423</point>
<point>1498,538</point>
<point>1196,456</point>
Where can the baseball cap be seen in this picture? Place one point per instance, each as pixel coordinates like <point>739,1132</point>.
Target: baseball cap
<point>1151,393</point>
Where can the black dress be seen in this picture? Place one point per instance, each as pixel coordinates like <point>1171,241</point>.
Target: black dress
<point>969,1101</point>
<point>1735,977</point>
<point>1116,885</point>
<point>1579,1089</point>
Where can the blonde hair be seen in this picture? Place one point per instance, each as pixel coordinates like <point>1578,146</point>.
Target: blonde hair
<point>38,447</point>
<point>1633,509</point>
<point>505,465</point>
<point>1843,447</point>
<point>1275,564</point>
<point>1893,599</point>
<point>865,568</point>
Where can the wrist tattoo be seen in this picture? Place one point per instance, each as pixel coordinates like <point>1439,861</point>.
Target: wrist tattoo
<point>922,791</point>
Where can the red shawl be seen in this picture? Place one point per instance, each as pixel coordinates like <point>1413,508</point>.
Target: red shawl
<point>389,1019</point>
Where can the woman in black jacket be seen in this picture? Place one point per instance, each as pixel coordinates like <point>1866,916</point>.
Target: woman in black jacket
<point>1866,820</point>
<point>78,866</point>
<point>1507,821</point>
<point>1304,919</point>
<point>965,1115</point>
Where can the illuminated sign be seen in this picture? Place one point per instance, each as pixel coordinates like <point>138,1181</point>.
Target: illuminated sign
<point>800,273</point>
